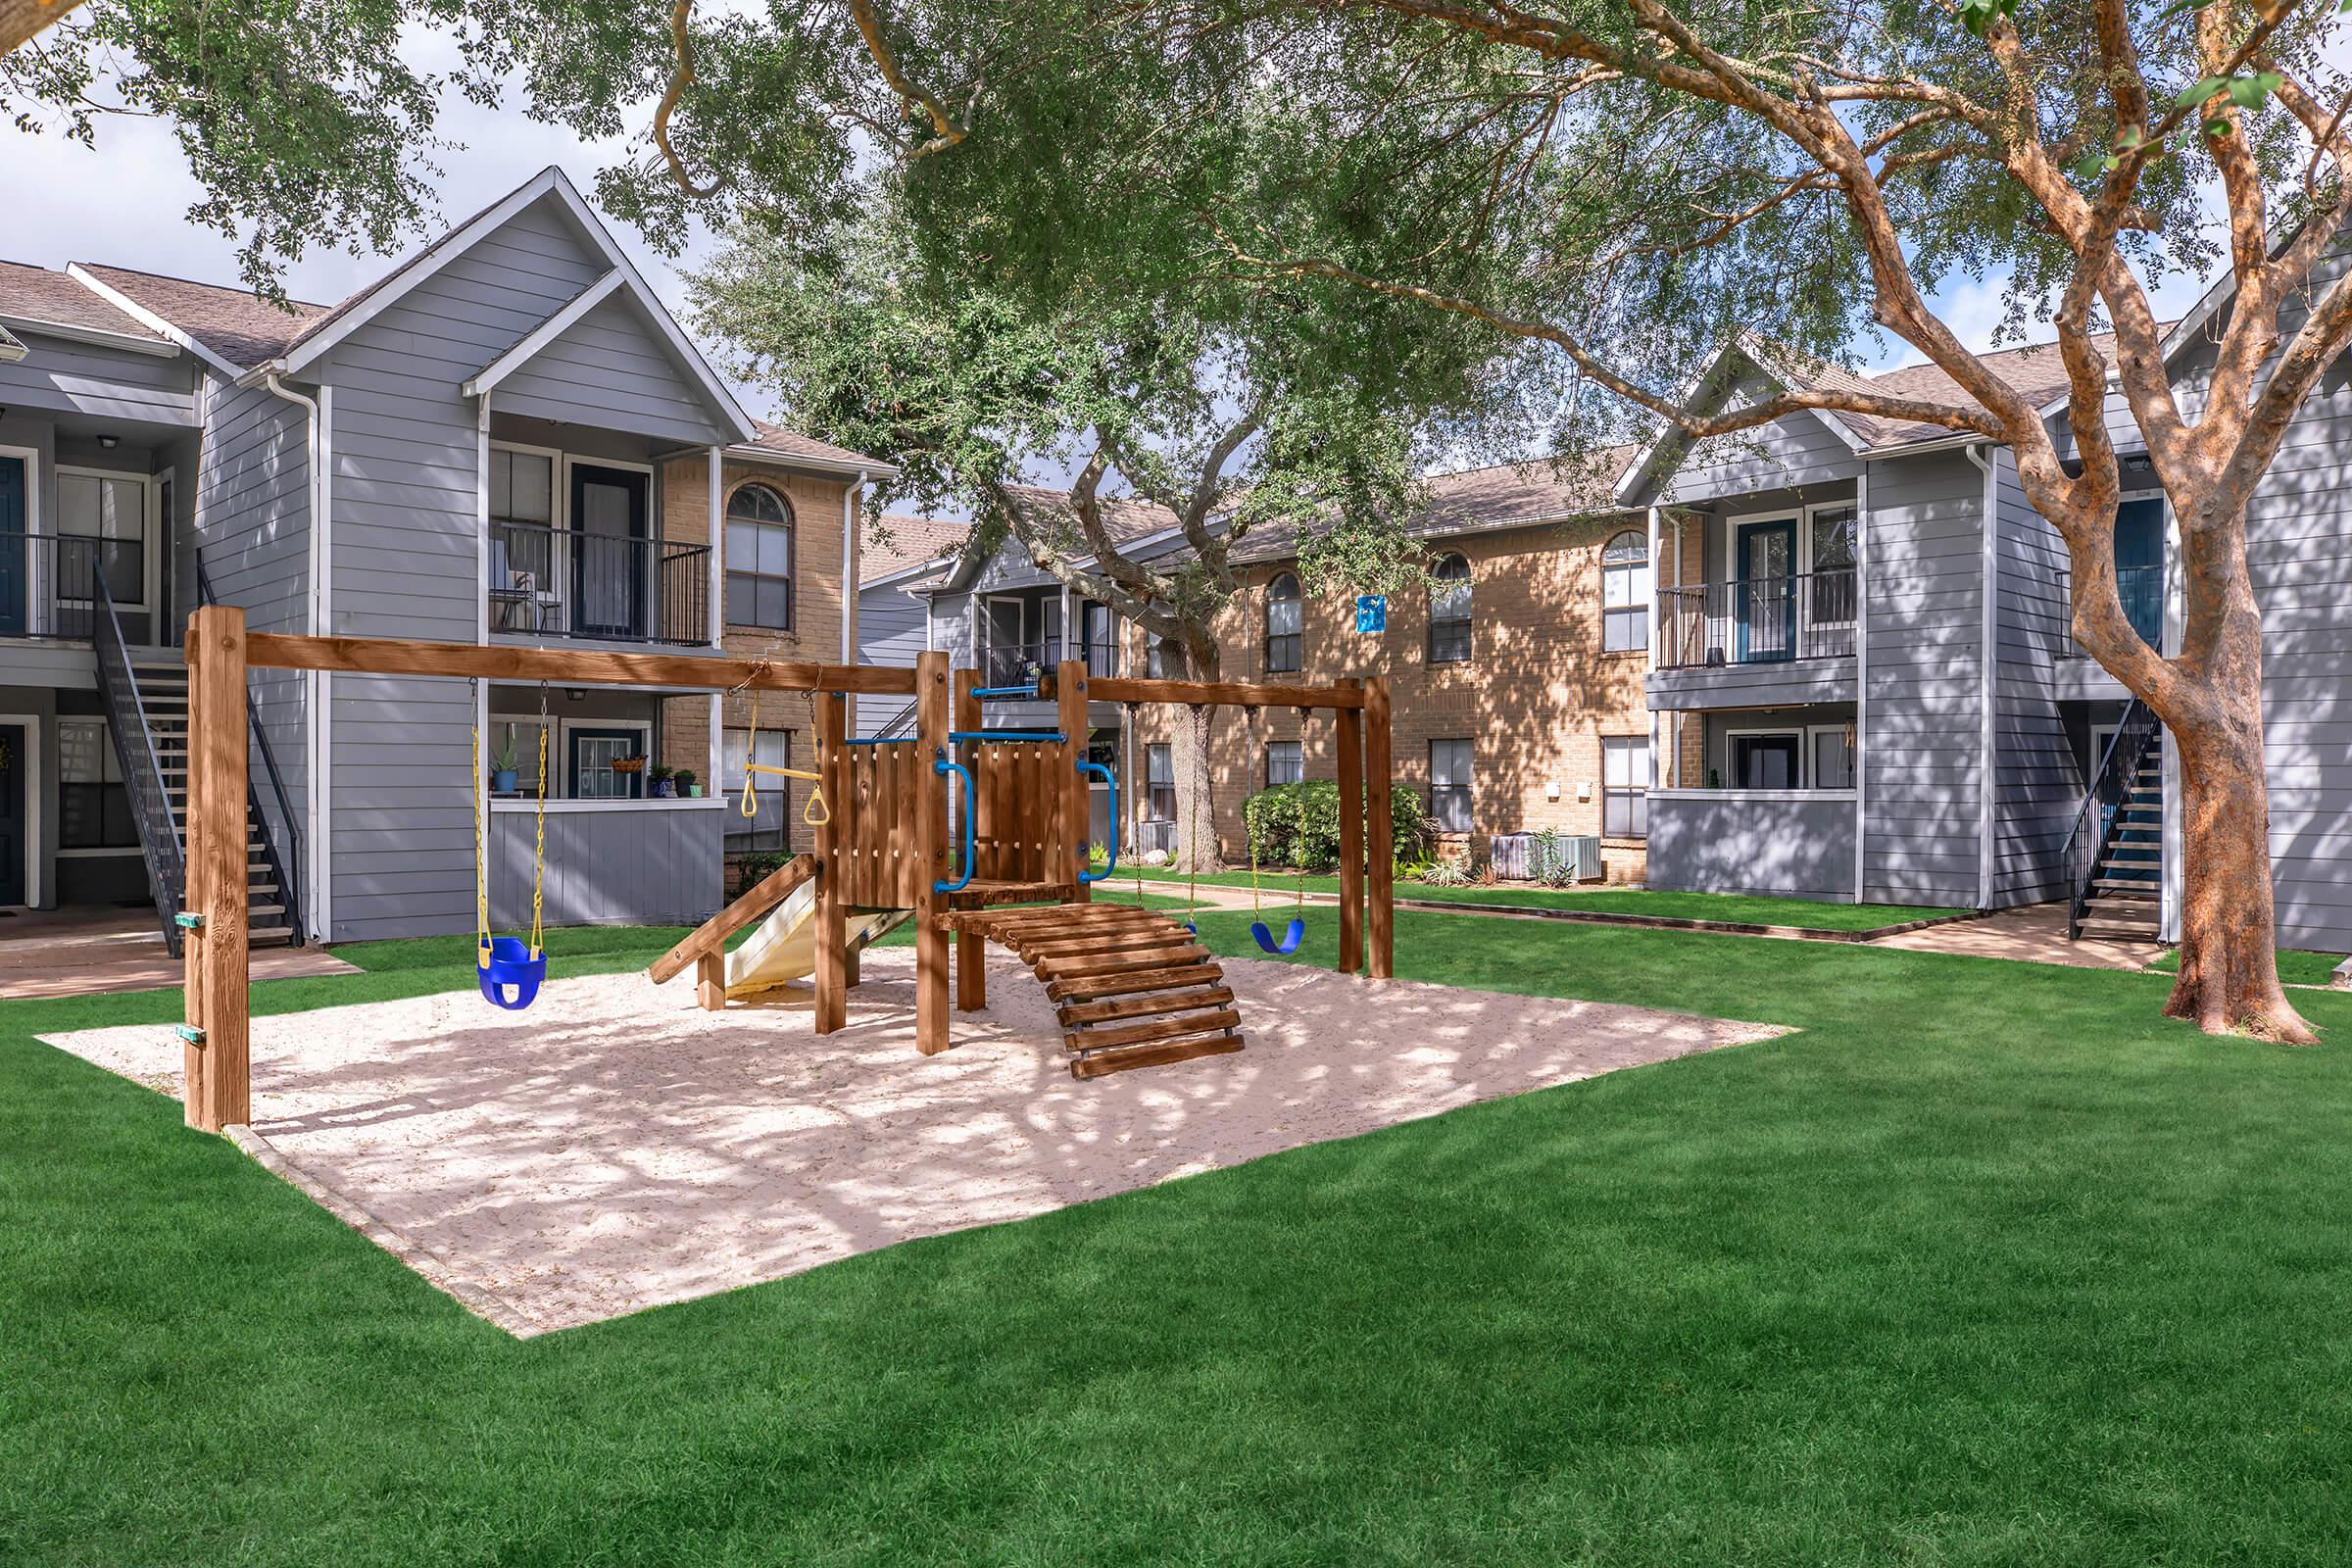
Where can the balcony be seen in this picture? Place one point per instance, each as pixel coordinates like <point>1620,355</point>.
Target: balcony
<point>47,582</point>
<point>558,582</point>
<point>1018,664</point>
<point>1763,620</point>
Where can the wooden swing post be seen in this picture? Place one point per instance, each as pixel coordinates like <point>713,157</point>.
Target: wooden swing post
<point>1077,798</point>
<point>971,949</point>
<point>1350,748</point>
<point>1382,851</point>
<point>934,846</point>
<point>219,1060</point>
<point>832,978</point>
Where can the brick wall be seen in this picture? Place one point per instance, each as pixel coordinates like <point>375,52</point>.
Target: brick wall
<point>1535,698</point>
<point>816,613</point>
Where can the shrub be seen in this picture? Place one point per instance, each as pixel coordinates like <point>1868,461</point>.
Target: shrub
<point>756,864</point>
<point>1453,871</point>
<point>1271,817</point>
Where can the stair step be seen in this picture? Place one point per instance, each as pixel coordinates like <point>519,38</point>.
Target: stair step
<point>2117,930</point>
<point>269,936</point>
<point>2139,853</point>
<point>2124,888</point>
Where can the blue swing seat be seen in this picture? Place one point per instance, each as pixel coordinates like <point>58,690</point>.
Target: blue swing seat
<point>509,972</point>
<point>1292,934</point>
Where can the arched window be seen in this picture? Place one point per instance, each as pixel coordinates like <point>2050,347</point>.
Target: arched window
<point>759,558</point>
<point>1625,592</point>
<point>1282,625</point>
<point>1449,612</point>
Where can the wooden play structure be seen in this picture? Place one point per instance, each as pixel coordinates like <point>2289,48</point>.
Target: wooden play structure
<point>1002,857</point>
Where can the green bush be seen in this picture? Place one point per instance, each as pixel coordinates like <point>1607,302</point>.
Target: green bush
<point>1272,817</point>
<point>759,864</point>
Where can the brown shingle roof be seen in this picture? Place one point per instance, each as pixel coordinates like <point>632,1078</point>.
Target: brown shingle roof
<point>1503,495</point>
<point>37,294</point>
<point>2036,370</point>
<point>896,541</point>
<point>235,324</point>
<point>792,444</point>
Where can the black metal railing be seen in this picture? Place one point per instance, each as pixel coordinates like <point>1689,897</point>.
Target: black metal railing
<point>900,723</point>
<point>1102,657</point>
<point>281,839</point>
<point>2101,817</point>
<point>2142,589</point>
<point>1762,620</point>
<point>142,769</point>
<point>45,582</point>
<point>1011,663</point>
<point>559,582</point>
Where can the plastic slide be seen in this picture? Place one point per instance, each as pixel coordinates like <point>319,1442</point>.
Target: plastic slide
<point>783,947</point>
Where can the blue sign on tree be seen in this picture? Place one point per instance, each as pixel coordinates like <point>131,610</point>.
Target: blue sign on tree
<point>1371,612</point>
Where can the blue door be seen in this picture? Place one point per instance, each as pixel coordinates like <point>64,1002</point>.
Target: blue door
<point>15,549</point>
<point>1764,594</point>
<point>2139,565</point>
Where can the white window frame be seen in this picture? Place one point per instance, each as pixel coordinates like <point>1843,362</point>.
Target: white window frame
<point>1812,774</point>
<point>149,568</point>
<point>651,583</point>
<point>1647,606</point>
<point>1803,516</point>
<point>555,754</point>
<point>732,779</point>
<point>1813,599</point>
<point>791,529</point>
<point>1470,787</point>
<point>1649,756</point>
<point>1299,745</point>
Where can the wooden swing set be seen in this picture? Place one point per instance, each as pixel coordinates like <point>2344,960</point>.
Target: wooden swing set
<point>1132,987</point>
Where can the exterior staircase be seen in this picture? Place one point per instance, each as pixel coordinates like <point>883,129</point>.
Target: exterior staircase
<point>163,692</point>
<point>2126,892</point>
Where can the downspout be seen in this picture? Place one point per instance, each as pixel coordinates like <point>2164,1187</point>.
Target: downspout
<point>848,568</point>
<point>317,739</point>
<point>1990,656</point>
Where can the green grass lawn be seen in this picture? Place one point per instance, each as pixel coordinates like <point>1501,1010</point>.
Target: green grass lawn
<point>1736,907</point>
<point>1987,1265</point>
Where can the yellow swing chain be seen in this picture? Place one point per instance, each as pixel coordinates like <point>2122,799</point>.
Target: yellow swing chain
<point>539,842</point>
<point>1191,829</point>
<point>481,858</point>
<point>816,812</point>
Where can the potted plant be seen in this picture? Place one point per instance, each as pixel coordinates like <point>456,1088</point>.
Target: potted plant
<point>688,785</point>
<point>661,773</point>
<point>501,770</point>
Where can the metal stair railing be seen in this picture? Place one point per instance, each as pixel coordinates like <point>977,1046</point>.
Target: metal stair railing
<point>2101,814</point>
<point>142,769</point>
<point>285,863</point>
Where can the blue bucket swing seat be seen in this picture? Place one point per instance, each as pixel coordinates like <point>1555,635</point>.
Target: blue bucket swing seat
<point>1296,932</point>
<point>507,969</point>
<point>508,972</point>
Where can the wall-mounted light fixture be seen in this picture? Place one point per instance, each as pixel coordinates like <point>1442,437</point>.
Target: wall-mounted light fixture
<point>109,442</point>
<point>578,693</point>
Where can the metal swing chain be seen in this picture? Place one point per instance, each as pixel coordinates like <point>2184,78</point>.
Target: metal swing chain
<point>481,861</point>
<point>539,844</point>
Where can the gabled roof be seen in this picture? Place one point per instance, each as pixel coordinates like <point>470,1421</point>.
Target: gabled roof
<point>1133,523</point>
<point>806,451</point>
<point>1489,500</point>
<point>36,297</point>
<point>898,544</point>
<point>229,327</point>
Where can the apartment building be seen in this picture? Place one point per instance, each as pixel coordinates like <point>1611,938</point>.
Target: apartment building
<point>505,439</point>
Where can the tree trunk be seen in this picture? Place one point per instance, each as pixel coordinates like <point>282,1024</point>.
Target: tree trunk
<point>2228,978</point>
<point>1196,848</point>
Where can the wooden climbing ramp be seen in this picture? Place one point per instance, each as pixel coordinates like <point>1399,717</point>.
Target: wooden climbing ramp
<point>1132,987</point>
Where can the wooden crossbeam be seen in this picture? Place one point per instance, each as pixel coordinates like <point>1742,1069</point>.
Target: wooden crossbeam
<point>1223,692</point>
<point>574,666</point>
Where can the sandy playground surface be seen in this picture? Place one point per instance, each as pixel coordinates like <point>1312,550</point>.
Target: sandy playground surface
<point>616,1148</point>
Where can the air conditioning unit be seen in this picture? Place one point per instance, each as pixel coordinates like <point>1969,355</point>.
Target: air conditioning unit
<point>1515,857</point>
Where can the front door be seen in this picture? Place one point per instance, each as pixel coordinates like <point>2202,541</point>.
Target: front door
<point>1766,589</point>
<point>590,767</point>
<point>2139,565</point>
<point>610,513</point>
<point>12,813</point>
<point>15,549</point>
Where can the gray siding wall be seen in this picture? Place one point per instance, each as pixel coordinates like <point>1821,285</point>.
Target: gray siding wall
<point>611,367</point>
<point>1800,450</point>
<point>891,628</point>
<point>1924,743</point>
<point>405,544</point>
<point>251,529</point>
<point>648,866</point>
<point>2301,559</point>
<point>65,377</point>
<point>1757,685</point>
<point>1753,843</point>
<point>2038,786</point>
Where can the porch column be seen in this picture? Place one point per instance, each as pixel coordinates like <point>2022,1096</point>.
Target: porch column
<point>1658,726</point>
<point>715,527</point>
<point>1861,684</point>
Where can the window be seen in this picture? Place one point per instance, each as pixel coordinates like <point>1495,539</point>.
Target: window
<point>92,802</point>
<point>759,558</point>
<point>1162,659</point>
<point>1625,592</point>
<point>110,509</point>
<point>1833,530</point>
<point>1159,782</point>
<point>522,487</point>
<point>518,738</point>
<point>1284,765</point>
<point>1625,786</point>
<point>769,748</point>
<point>594,750</point>
<point>1771,761</point>
<point>1449,612</point>
<point>1449,785</point>
<point>1282,625</point>
<point>1833,755</point>
<point>772,747</point>
<point>1098,637</point>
